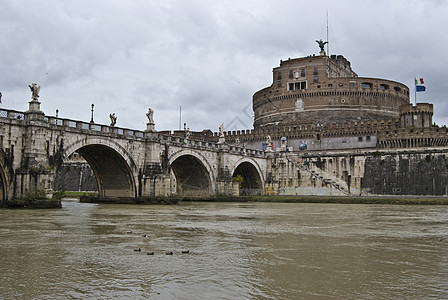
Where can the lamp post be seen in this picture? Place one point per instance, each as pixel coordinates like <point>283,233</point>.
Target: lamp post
<point>91,118</point>
<point>57,112</point>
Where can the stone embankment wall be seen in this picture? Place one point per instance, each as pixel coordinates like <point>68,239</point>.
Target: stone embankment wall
<point>419,172</point>
<point>75,177</point>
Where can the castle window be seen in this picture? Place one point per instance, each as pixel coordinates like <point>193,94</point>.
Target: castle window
<point>384,87</point>
<point>397,89</point>
<point>368,138</point>
<point>352,84</point>
<point>291,74</point>
<point>302,72</point>
<point>366,85</point>
<point>300,85</point>
<point>330,85</point>
<point>279,75</point>
<point>360,139</point>
<point>279,84</point>
<point>316,79</point>
<point>315,71</point>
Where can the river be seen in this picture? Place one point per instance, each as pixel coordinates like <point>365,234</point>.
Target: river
<point>236,251</point>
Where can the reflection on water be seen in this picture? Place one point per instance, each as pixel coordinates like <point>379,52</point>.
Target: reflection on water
<point>237,251</point>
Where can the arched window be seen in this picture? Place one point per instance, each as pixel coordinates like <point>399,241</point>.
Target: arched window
<point>366,85</point>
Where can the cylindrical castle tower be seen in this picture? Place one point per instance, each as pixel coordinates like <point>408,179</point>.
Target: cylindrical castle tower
<point>418,116</point>
<point>321,90</point>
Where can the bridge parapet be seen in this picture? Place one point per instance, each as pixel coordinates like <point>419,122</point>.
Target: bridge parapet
<point>86,127</point>
<point>12,114</point>
<point>208,146</point>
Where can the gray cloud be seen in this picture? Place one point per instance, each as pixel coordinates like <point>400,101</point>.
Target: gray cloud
<point>209,57</point>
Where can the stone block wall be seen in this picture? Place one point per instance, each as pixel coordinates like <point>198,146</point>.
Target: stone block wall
<point>75,177</point>
<point>407,174</point>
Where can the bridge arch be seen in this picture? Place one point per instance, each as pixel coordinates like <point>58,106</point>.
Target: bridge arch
<point>192,175</point>
<point>114,169</point>
<point>252,176</point>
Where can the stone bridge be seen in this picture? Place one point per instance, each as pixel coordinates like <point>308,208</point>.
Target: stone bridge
<point>126,163</point>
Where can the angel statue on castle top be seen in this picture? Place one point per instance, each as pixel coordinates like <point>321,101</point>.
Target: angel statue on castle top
<point>321,45</point>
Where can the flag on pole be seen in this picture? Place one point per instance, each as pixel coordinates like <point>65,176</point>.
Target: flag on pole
<point>419,87</point>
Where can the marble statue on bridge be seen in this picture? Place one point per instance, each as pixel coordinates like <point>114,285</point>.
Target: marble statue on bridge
<point>221,139</point>
<point>113,119</point>
<point>221,130</point>
<point>34,91</point>
<point>150,126</point>
<point>149,115</point>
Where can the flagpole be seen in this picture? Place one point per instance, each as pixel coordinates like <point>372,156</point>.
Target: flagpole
<point>415,91</point>
<point>328,40</point>
<point>180,116</point>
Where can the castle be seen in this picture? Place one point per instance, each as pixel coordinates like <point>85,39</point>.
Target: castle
<point>319,103</point>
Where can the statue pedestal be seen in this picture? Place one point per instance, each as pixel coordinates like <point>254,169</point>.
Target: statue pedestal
<point>34,105</point>
<point>150,127</point>
<point>34,113</point>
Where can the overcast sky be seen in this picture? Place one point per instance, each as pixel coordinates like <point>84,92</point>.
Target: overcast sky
<point>207,56</point>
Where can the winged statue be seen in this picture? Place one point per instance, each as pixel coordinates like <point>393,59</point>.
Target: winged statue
<point>35,89</point>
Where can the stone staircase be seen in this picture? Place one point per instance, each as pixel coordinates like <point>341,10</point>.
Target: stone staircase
<point>326,178</point>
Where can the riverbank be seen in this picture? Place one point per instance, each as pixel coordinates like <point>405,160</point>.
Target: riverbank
<point>159,200</point>
<point>398,200</point>
<point>32,204</point>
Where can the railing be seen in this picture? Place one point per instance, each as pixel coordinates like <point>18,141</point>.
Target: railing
<point>11,114</point>
<point>18,115</point>
<point>95,127</point>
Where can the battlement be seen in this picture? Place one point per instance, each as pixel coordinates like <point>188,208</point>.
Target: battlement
<point>418,108</point>
<point>310,131</point>
<point>419,116</point>
<point>413,138</point>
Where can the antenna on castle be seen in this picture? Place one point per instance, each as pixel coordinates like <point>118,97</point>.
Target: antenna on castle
<point>180,116</point>
<point>328,40</point>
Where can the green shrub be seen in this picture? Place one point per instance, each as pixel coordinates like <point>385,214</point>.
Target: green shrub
<point>35,195</point>
<point>238,178</point>
<point>58,195</point>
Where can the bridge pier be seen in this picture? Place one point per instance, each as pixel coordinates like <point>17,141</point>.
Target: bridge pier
<point>27,169</point>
